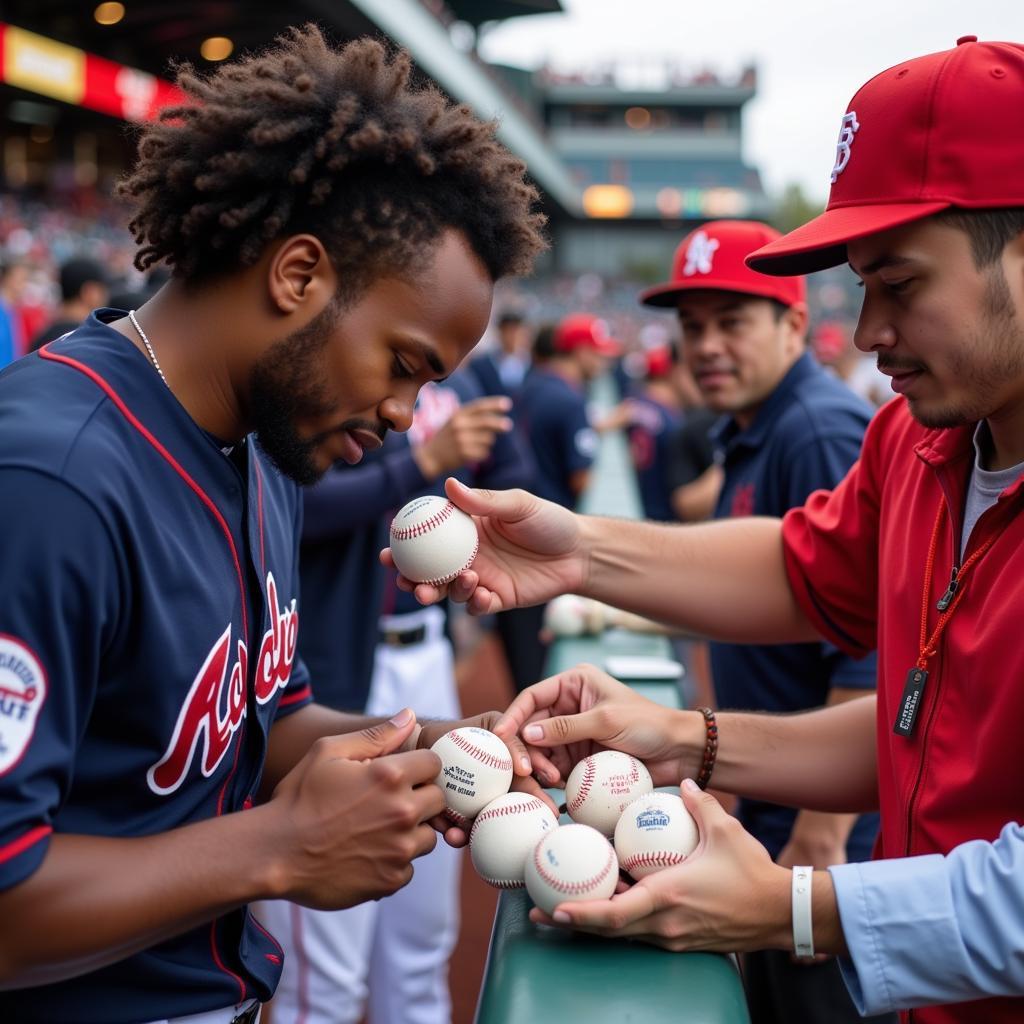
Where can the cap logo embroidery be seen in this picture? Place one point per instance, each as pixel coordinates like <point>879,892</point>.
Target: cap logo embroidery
<point>699,254</point>
<point>847,130</point>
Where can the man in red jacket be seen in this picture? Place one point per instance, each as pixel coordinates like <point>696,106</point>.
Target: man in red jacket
<point>918,551</point>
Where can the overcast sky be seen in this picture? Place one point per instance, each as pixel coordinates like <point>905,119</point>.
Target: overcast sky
<point>811,55</point>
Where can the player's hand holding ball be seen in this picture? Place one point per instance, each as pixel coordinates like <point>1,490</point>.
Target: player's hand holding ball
<point>344,825</point>
<point>456,833</point>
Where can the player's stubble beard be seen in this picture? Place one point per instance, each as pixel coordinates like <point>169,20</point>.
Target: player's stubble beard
<point>287,385</point>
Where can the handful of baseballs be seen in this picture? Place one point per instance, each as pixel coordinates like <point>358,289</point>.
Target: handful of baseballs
<point>515,839</point>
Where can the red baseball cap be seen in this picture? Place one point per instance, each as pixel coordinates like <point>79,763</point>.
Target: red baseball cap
<point>934,132</point>
<point>659,361</point>
<point>714,257</point>
<point>581,330</point>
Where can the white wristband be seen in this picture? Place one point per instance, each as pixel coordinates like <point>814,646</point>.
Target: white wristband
<point>803,933</point>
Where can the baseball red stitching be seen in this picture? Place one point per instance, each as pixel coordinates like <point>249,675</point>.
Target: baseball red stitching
<point>653,860</point>
<point>455,818</point>
<point>428,524</point>
<point>573,887</point>
<point>438,580</point>
<point>588,778</point>
<point>532,803</point>
<point>491,760</point>
<point>503,883</point>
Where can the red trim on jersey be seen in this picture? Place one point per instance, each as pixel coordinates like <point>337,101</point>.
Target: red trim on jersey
<point>269,956</point>
<point>172,462</point>
<point>293,698</point>
<point>220,963</point>
<point>259,509</point>
<point>21,844</point>
<point>108,390</point>
<point>234,766</point>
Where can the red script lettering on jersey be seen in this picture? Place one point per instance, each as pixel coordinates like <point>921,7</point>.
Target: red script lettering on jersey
<point>214,712</point>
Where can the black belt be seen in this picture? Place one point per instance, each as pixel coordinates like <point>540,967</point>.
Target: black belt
<point>403,637</point>
<point>247,1016</point>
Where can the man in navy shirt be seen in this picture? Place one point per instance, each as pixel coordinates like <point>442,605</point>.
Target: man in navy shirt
<point>551,416</point>
<point>334,236</point>
<point>655,415</point>
<point>501,372</point>
<point>552,407</point>
<point>788,428</point>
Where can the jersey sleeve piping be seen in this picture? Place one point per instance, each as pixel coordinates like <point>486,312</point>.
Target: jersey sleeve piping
<point>18,846</point>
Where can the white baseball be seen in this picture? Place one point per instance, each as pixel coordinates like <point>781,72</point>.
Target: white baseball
<point>475,768</point>
<point>504,835</point>
<point>566,615</point>
<point>655,831</point>
<point>596,616</point>
<point>601,785</point>
<point>572,863</point>
<point>432,541</point>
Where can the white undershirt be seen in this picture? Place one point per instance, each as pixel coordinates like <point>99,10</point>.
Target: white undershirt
<point>985,485</point>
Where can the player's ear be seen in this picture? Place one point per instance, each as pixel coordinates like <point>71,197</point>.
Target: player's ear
<point>300,275</point>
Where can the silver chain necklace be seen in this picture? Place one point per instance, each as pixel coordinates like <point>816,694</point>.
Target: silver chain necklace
<point>149,347</point>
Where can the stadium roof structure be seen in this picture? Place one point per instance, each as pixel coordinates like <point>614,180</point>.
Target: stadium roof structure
<point>153,35</point>
<point>476,12</point>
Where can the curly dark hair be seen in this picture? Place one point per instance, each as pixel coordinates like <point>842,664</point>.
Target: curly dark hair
<point>335,142</point>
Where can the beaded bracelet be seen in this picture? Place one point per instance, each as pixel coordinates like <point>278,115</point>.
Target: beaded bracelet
<point>710,748</point>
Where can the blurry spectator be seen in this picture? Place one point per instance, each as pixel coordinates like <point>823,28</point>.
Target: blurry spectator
<point>655,414</point>
<point>84,286</point>
<point>501,372</point>
<point>14,276</point>
<point>543,347</point>
<point>551,413</point>
<point>833,345</point>
<point>694,477</point>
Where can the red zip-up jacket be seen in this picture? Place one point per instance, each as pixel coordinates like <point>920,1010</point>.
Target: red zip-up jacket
<point>856,560</point>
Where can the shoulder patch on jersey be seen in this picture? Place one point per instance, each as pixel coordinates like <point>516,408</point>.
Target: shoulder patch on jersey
<point>22,693</point>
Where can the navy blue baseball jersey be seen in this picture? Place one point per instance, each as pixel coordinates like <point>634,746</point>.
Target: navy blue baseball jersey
<point>347,517</point>
<point>552,413</point>
<point>148,629</point>
<point>804,438</point>
<point>651,431</point>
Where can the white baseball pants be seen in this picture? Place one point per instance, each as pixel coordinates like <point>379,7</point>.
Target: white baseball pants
<point>388,958</point>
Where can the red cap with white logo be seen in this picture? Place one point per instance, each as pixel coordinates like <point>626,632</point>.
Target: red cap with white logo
<point>938,131</point>
<point>713,257</point>
<point>581,330</point>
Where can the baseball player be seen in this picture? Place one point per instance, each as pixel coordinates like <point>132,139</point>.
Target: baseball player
<point>334,236</point>
<point>388,958</point>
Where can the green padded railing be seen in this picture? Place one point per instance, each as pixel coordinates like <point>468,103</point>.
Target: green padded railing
<point>539,975</point>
